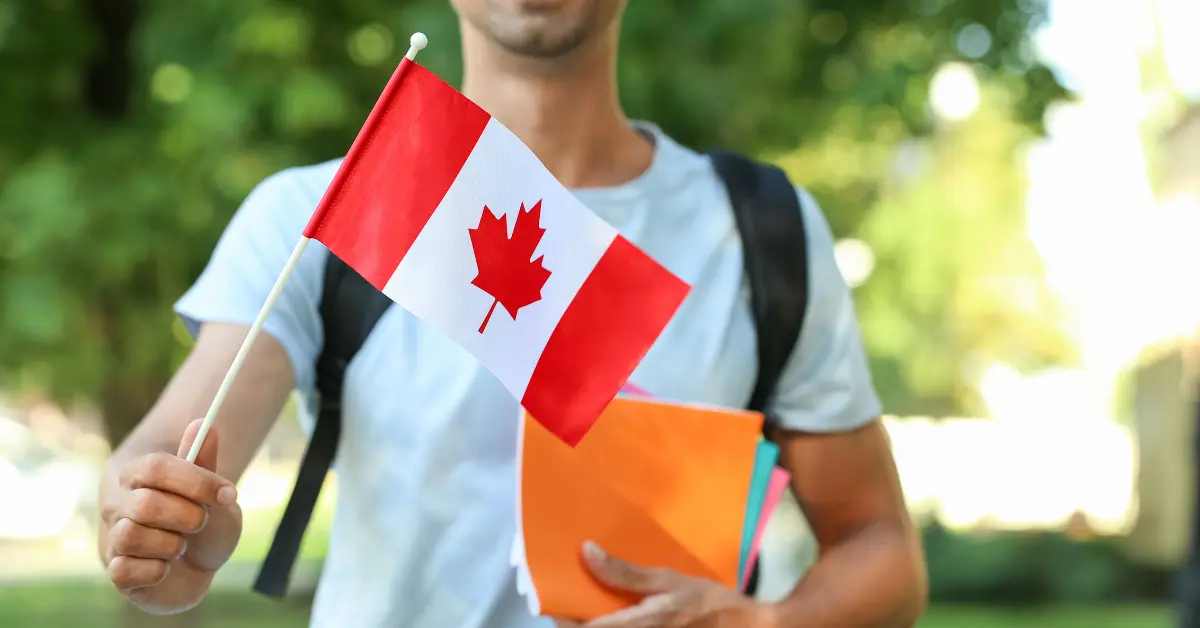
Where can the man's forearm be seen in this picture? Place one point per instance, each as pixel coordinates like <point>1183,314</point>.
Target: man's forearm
<point>873,579</point>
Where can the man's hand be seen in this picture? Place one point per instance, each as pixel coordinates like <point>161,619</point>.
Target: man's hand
<point>170,517</point>
<point>672,600</point>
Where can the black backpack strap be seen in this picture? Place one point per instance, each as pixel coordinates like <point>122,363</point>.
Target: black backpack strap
<point>350,308</point>
<point>775,247</point>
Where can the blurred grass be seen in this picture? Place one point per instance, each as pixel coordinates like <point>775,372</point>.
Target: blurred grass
<point>95,605</point>
<point>1089,617</point>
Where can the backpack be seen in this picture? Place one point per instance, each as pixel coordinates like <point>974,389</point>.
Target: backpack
<point>769,220</point>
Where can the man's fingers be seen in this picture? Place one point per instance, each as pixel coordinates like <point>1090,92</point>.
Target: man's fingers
<point>651,612</point>
<point>156,509</point>
<point>207,458</point>
<point>128,573</point>
<point>624,575</point>
<point>129,538</point>
<point>165,472</point>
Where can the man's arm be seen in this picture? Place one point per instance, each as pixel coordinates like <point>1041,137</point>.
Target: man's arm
<point>871,570</point>
<point>254,401</point>
<point>143,523</point>
<point>168,524</point>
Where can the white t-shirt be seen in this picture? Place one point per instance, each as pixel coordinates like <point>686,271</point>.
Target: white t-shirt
<point>424,522</point>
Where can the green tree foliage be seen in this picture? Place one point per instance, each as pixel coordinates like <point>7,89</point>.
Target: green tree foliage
<point>957,283</point>
<point>130,131</point>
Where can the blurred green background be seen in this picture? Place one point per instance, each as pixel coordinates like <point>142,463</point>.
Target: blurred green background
<point>1013,185</point>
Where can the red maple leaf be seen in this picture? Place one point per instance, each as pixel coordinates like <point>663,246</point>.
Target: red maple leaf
<point>505,269</point>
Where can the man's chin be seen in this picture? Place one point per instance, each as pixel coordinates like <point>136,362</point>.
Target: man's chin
<point>541,50</point>
<point>540,29</point>
<point>543,46</point>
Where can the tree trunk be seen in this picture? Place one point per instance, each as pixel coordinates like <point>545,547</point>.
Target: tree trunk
<point>109,81</point>
<point>126,399</point>
<point>109,84</point>
<point>1166,477</point>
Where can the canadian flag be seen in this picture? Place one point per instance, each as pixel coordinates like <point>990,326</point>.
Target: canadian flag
<point>444,210</point>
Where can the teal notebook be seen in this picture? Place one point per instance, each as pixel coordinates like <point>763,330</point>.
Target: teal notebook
<point>764,462</point>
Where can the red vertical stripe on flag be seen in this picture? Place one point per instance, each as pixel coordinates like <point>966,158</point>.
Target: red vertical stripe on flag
<point>618,313</point>
<point>406,156</point>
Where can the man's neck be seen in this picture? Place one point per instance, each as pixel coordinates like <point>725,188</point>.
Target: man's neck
<point>570,117</point>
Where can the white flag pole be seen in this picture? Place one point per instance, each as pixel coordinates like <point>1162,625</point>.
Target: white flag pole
<point>416,43</point>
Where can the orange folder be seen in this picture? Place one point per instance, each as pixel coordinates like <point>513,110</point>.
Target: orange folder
<point>655,483</point>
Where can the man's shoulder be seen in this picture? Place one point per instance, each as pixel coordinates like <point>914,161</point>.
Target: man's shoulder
<point>308,181</point>
<point>282,203</point>
<point>692,169</point>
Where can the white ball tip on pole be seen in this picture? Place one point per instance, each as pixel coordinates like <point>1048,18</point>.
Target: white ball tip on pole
<point>416,43</point>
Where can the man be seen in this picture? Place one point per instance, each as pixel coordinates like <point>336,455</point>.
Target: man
<point>424,523</point>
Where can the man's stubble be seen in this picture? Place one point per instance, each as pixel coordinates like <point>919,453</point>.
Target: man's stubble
<point>544,30</point>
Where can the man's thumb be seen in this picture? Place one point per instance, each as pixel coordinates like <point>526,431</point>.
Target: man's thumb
<point>624,575</point>
<point>208,451</point>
